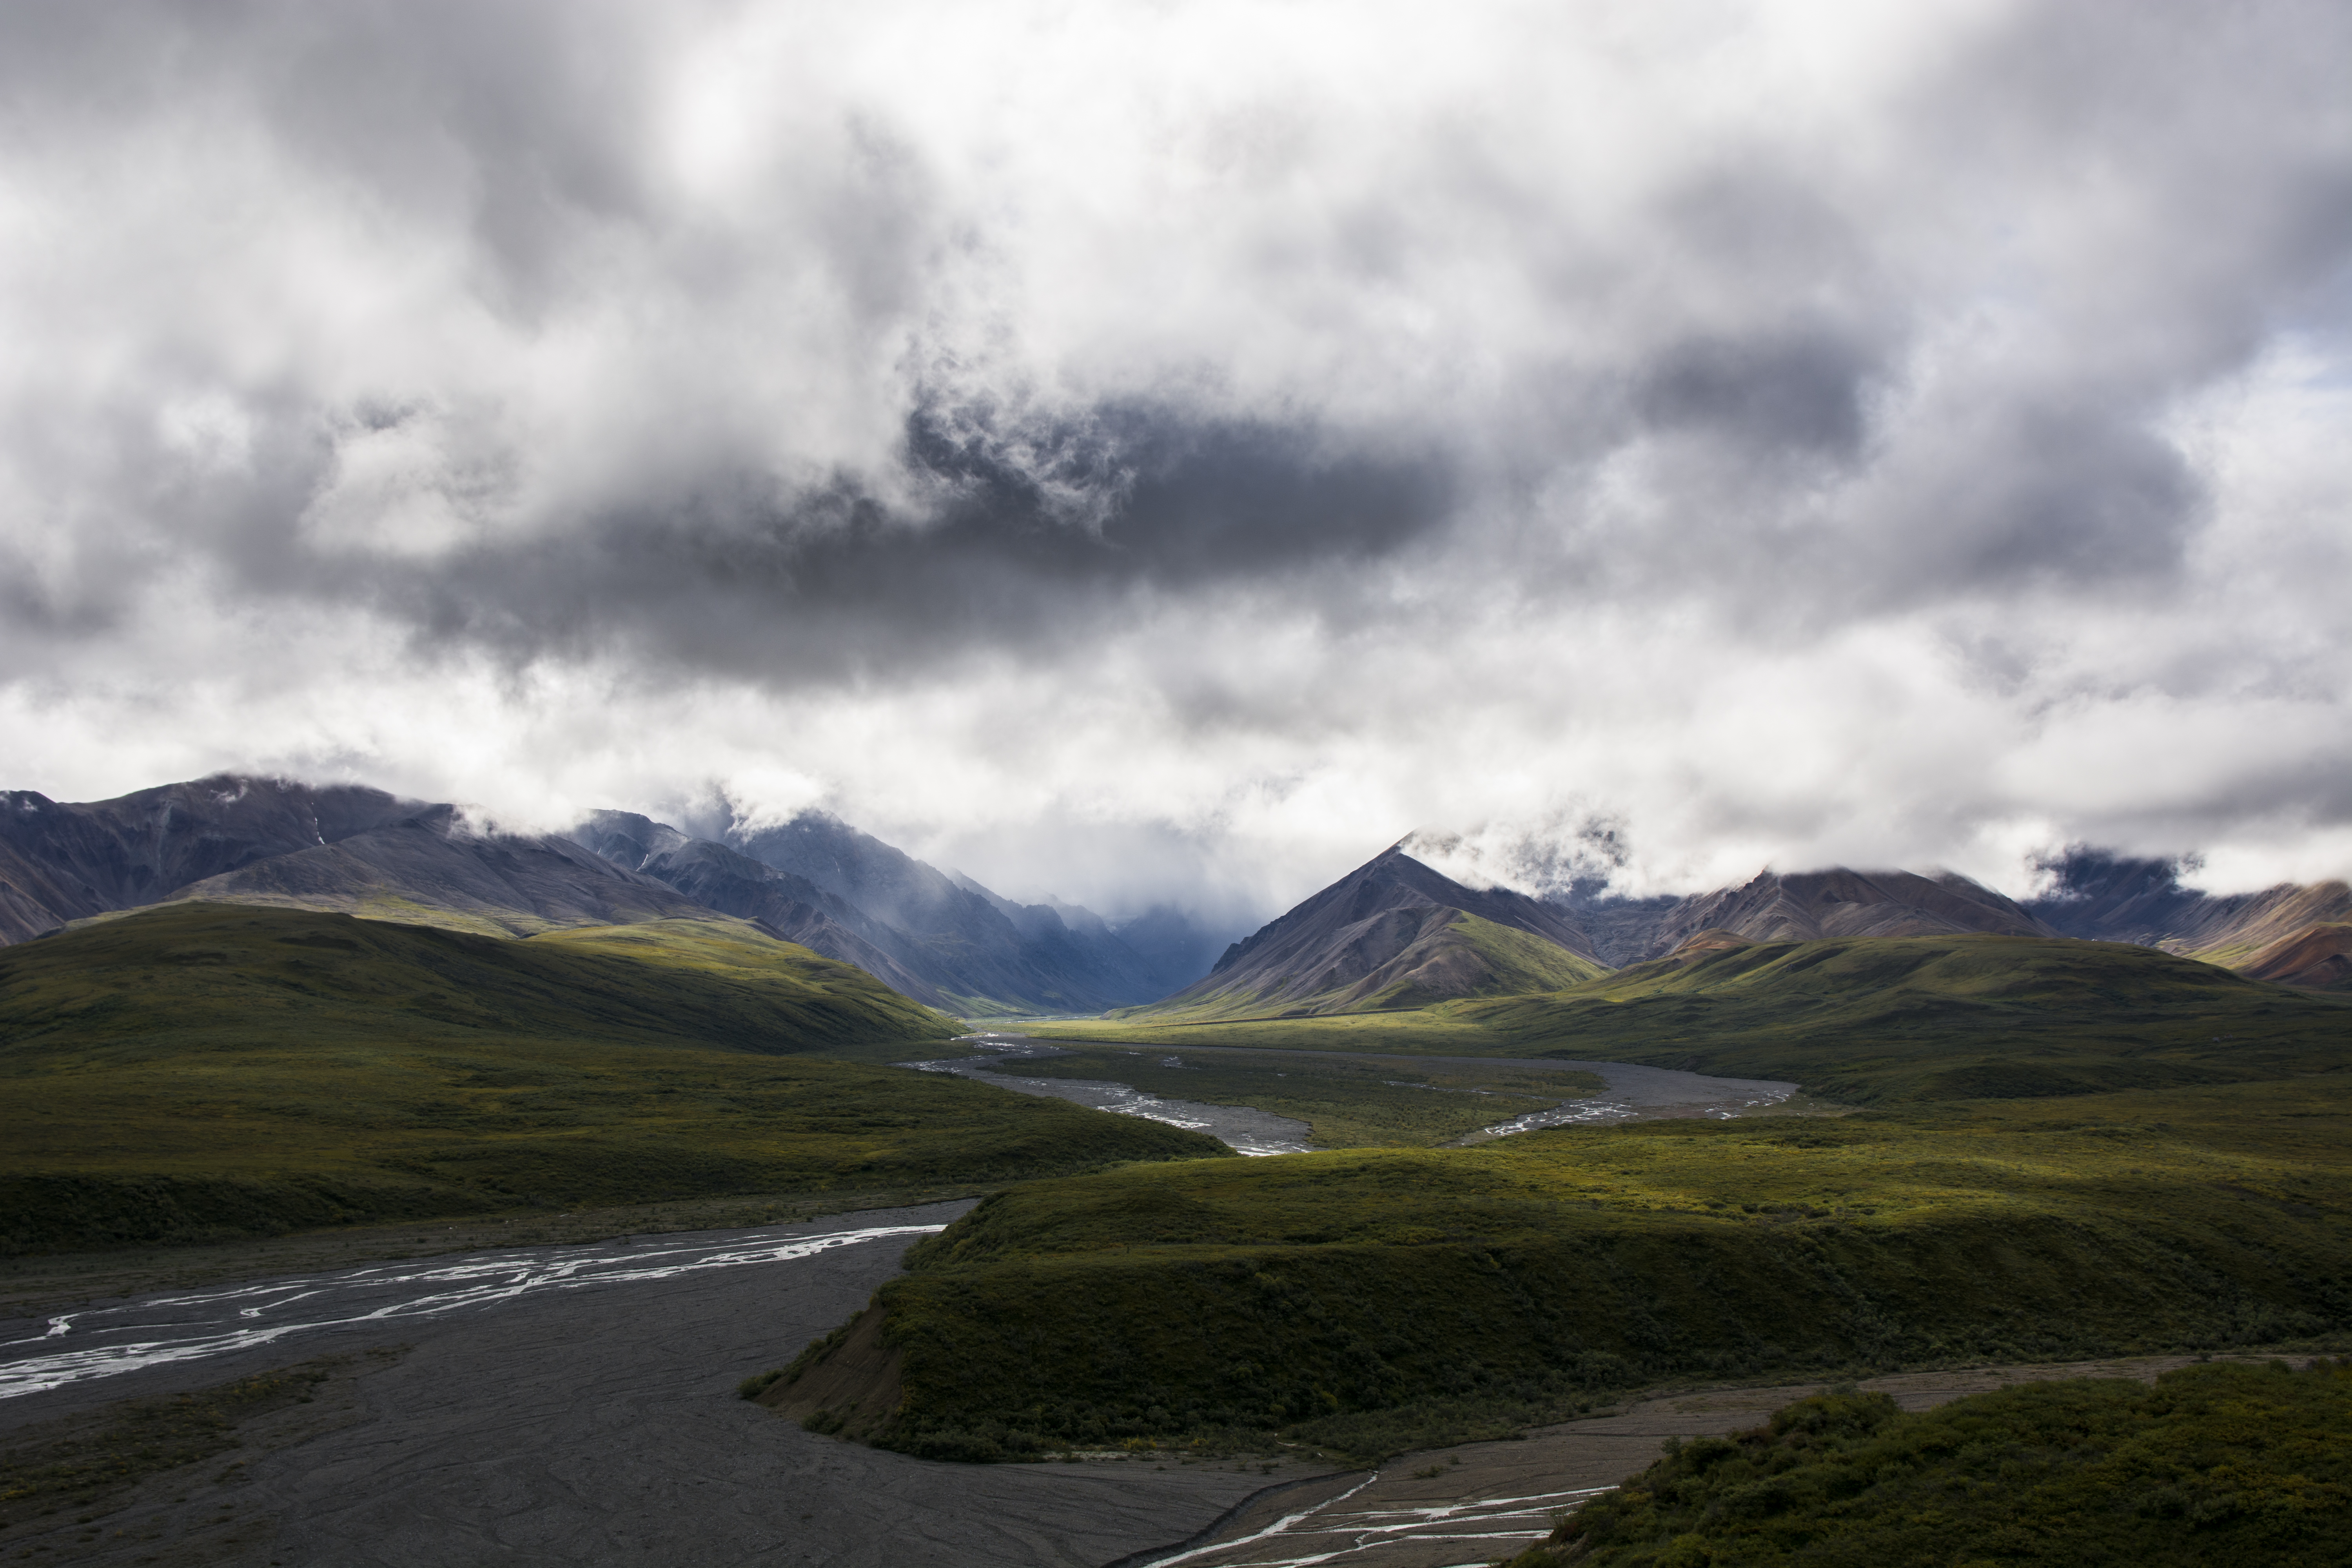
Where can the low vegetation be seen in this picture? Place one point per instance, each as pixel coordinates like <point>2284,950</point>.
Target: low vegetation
<point>1367,1301</point>
<point>1345,1103</point>
<point>2214,1464</point>
<point>200,1071</point>
<point>1867,1021</point>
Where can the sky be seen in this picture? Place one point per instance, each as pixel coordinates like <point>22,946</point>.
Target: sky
<point>1145,451</point>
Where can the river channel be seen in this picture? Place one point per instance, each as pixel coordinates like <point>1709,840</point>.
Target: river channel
<point>1629,1093</point>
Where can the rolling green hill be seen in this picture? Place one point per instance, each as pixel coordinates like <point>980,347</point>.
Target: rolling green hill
<point>1867,1020</point>
<point>2215,1464</point>
<point>2080,1149</point>
<point>1371,1300</point>
<point>199,1071</point>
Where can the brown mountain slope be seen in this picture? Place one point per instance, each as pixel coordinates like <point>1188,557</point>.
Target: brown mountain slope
<point>2317,958</point>
<point>1809,905</point>
<point>432,869</point>
<point>2233,929</point>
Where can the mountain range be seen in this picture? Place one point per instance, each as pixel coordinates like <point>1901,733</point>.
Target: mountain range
<point>2107,897</point>
<point>1393,933</point>
<point>943,940</point>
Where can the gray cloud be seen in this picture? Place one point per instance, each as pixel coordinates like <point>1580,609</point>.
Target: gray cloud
<point>1374,427</point>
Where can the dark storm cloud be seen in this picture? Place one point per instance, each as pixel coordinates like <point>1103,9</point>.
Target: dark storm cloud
<point>1028,550</point>
<point>1795,391</point>
<point>525,133</point>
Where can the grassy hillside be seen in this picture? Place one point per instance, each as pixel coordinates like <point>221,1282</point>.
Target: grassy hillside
<point>1371,1300</point>
<point>181,972</point>
<point>2215,1464</point>
<point>1870,1021</point>
<point>204,1070</point>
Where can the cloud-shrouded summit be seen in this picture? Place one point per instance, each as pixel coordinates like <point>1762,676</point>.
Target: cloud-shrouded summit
<point>1171,451</point>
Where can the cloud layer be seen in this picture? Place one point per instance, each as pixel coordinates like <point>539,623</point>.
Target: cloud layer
<point>1175,451</point>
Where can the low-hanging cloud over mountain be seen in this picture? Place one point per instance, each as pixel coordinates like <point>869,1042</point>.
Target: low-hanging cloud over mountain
<point>1174,450</point>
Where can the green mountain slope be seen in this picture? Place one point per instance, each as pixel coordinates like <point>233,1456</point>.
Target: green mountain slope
<point>1934,1018</point>
<point>1867,1020</point>
<point>213,1069</point>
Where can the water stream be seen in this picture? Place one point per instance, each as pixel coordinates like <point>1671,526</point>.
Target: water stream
<point>105,1341</point>
<point>1240,1128</point>
<point>1629,1092</point>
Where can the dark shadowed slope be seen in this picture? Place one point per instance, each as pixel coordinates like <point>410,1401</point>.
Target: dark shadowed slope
<point>1808,905</point>
<point>62,861</point>
<point>2109,897</point>
<point>1074,939</point>
<point>1391,933</point>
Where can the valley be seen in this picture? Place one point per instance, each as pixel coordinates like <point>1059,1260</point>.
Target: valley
<point>364,1068</point>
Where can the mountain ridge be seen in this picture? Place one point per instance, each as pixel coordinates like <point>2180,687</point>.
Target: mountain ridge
<point>62,861</point>
<point>943,940</point>
<point>1808,905</point>
<point>1392,932</point>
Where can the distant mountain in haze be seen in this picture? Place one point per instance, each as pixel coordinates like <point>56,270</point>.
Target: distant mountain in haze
<point>1397,933</point>
<point>733,883</point>
<point>1171,944</point>
<point>942,939</point>
<point>1391,933</point>
<point>1804,906</point>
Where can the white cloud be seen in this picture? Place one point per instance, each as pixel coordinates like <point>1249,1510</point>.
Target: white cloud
<point>1184,449</point>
